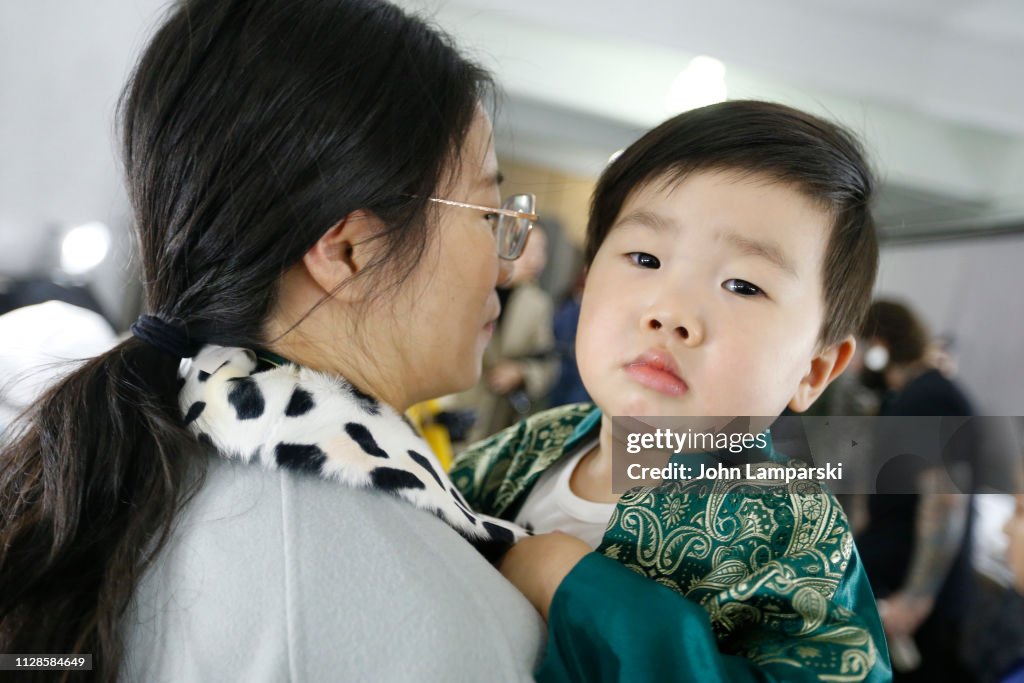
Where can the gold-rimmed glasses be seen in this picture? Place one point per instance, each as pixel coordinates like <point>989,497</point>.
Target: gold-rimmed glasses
<point>514,219</point>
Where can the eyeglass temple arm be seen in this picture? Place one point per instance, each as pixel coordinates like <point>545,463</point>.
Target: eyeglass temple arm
<point>505,212</point>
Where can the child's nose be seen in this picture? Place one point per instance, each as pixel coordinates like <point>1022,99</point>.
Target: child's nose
<point>683,328</point>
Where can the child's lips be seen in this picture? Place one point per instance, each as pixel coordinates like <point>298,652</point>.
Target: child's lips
<point>657,370</point>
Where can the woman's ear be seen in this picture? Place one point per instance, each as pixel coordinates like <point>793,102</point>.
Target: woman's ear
<point>825,367</point>
<point>343,251</point>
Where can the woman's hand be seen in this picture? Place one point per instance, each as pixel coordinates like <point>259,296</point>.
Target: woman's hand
<point>537,564</point>
<point>903,614</point>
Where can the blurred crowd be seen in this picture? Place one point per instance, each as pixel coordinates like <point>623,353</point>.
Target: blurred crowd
<point>946,565</point>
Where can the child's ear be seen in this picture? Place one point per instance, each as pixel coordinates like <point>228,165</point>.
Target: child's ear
<point>825,367</point>
<point>343,251</point>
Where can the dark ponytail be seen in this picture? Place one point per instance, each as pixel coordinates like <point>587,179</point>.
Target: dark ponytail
<point>88,485</point>
<point>250,127</point>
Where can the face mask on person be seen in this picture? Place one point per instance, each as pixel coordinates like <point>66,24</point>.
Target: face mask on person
<point>876,358</point>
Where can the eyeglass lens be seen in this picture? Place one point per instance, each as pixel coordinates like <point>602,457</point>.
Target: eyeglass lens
<point>513,232</point>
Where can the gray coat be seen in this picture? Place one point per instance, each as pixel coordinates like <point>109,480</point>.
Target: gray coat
<point>277,576</point>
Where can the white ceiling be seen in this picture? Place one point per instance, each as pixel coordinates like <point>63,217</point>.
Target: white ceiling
<point>933,86</point>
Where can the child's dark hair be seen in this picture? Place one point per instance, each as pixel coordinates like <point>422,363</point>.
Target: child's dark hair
<point>819,158</point>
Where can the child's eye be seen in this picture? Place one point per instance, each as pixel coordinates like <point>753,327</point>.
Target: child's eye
<point>492,218</point>
<point>644,260</point>
<point>742,287</point>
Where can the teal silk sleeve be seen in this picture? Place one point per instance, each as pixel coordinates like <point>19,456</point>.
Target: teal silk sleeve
<point>855,594</point>
<point>608,623</point>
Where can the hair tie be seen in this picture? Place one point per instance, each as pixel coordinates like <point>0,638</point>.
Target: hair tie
<point>164,336</point>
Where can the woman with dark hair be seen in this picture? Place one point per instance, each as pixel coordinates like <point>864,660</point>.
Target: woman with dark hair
<point>917,542</point>
<point>232,493</point>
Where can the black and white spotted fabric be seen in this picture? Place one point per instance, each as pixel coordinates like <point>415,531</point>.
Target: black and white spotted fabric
<point>292,417</point>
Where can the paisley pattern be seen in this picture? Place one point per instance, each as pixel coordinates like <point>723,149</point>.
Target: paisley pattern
<point>763,557</point>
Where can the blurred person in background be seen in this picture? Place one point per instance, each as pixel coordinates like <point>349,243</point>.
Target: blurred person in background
<point>1014,530</point>
<point>519,364</point>
<point>994,626</point>
<point>847,395</point>
<point>41,344</point>
<point>232,493</point>
<point>29,291</point>
<point>916,546</point>
<point>568,387</point>
<point>941,355</point>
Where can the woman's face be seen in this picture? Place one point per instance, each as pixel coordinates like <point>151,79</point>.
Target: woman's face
<point>444,313</point>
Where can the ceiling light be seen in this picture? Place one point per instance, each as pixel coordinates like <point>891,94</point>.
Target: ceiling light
<point>702,82</point>
<point>84,247</point>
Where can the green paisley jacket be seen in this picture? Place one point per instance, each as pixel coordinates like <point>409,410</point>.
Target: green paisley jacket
<point>772,565</point>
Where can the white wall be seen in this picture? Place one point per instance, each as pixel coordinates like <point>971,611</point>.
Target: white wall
<point>62,65</point>
<point>971,289</point>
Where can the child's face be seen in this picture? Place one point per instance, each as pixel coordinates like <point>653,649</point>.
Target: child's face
<point>706,299</point>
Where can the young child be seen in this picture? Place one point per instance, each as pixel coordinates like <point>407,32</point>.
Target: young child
<point>731,256</point>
